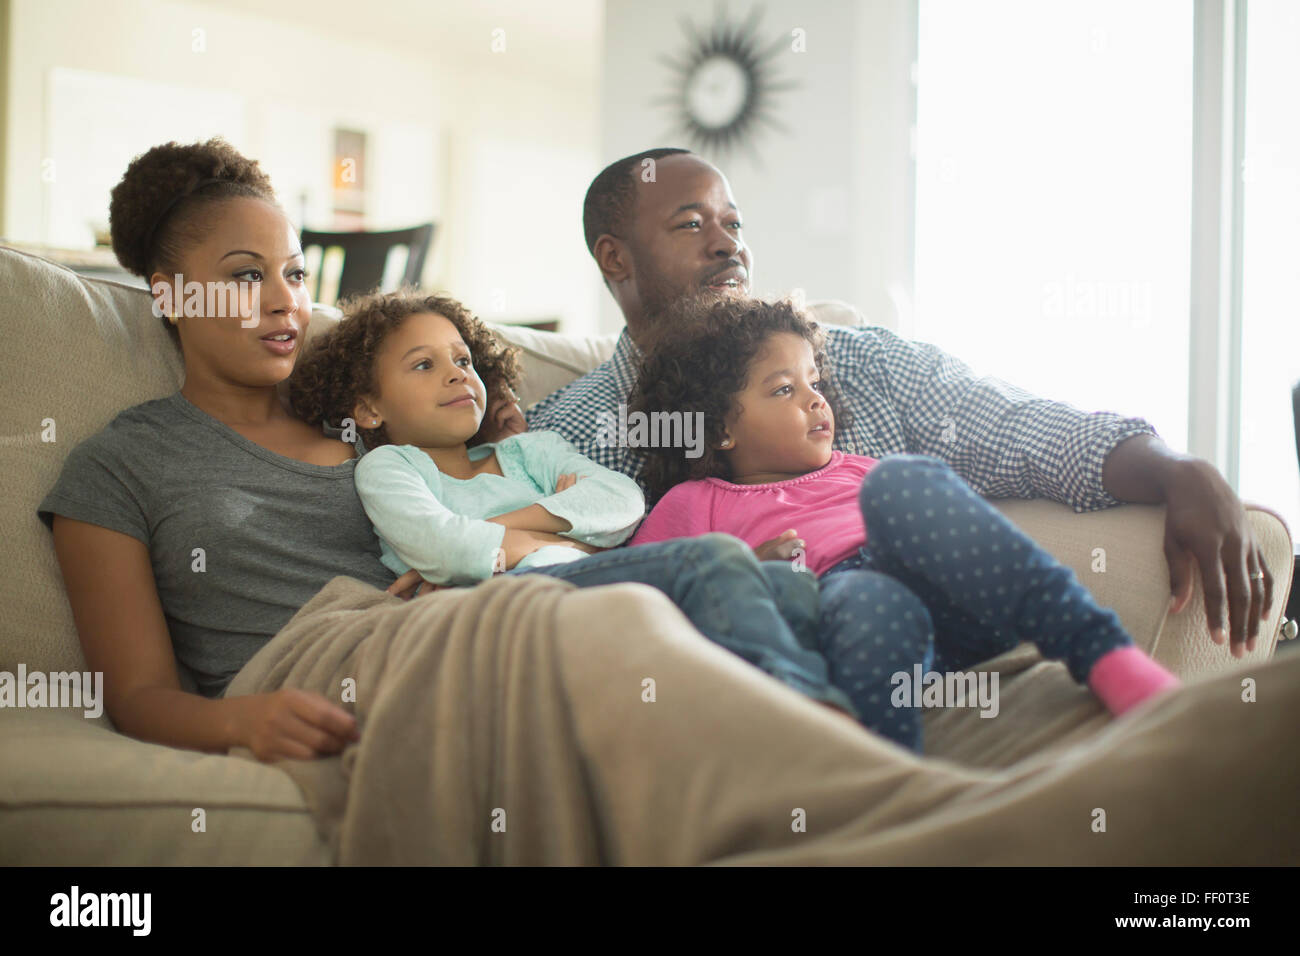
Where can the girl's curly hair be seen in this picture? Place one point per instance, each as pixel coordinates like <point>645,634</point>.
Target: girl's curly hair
<point>705,368</point>
<point>338,367</point>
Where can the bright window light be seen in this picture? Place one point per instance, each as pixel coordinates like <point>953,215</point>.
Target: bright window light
<point>1053,198</point>
<point>1270,339</point>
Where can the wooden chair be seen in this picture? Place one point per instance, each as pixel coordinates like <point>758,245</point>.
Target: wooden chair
<point>365,257</point>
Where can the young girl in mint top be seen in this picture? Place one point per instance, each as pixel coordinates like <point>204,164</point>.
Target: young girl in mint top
<point>914,567</point>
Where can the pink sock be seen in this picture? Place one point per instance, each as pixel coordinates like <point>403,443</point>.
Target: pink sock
<point>1126,676</point>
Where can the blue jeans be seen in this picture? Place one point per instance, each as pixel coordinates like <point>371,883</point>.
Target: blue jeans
<point>732,599</point>
<point>946,580</point>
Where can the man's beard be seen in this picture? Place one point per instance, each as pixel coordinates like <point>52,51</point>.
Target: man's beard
<point>665,306</point>
<point>661,298</point>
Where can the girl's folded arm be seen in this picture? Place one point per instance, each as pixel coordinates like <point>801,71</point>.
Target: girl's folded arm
<point>603,506</point>
<point>532,518</point>
<point>446,548</point>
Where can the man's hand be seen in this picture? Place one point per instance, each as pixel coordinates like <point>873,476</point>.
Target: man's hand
<point>504,418</point>
<point>780,548</point>
<point>1206,525</point>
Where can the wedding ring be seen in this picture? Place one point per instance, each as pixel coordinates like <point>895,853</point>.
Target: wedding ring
<point>1257,576</point>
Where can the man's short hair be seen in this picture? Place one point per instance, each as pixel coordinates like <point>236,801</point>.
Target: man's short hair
<point>612,195</point>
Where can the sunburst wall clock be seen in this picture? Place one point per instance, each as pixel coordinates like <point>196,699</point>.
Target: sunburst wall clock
<point>724,84</point>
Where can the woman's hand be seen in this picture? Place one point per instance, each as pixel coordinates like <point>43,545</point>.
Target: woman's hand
<point>410,585</point>
<point>780,548</point>
<point>293,723</point>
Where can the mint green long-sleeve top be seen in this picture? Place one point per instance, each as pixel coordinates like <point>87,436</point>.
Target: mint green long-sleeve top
<point>437,524</point>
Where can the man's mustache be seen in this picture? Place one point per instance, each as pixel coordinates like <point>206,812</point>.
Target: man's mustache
<point>726,267</point>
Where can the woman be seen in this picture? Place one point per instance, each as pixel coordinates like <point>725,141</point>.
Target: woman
<point>725,779</point>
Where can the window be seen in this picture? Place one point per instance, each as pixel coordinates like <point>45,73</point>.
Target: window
<point>1053,198</point>
<point>1270,341</point>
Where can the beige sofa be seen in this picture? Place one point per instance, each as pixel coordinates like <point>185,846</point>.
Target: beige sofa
<point>73,791</point>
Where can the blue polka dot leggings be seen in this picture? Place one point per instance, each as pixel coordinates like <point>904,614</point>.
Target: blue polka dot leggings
<point>947,581</point>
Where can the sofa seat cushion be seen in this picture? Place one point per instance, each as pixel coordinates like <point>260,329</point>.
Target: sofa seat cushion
<point>76,792</point>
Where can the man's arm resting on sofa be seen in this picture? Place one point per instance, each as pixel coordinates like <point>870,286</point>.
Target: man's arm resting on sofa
<point>1004,441</point>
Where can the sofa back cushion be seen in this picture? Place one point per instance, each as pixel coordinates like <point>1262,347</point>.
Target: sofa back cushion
<point>79,351</point>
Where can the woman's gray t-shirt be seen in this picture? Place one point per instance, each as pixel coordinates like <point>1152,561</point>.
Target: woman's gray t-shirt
<point>240,538</point>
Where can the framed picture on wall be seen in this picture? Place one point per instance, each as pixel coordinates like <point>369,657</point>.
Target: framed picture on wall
<point>349,178</point>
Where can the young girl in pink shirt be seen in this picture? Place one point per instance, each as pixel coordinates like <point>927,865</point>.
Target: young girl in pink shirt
<point>913,566</point>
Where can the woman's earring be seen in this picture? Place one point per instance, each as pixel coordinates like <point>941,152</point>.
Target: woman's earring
<point>726,443</point>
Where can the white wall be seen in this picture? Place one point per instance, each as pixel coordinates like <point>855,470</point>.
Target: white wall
<point>521,163</point>
<point>497,147</point>
<point>825,204</point>
<point>290,99</point>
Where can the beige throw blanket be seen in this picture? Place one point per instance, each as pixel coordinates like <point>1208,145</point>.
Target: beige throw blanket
<point>419,787</point>
<point>510,724</point>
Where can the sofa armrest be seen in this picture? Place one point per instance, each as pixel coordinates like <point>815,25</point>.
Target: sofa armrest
<point>1118,554</point>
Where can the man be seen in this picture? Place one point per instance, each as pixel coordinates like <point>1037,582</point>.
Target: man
<point>662,226</point>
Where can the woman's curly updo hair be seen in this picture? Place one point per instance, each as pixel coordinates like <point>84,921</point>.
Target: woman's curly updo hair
<point>338,366</point>
<point>161,205</point>
<point>703,367</point>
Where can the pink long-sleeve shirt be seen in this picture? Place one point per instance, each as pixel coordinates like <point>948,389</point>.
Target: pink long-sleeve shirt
<point>822,506</point>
